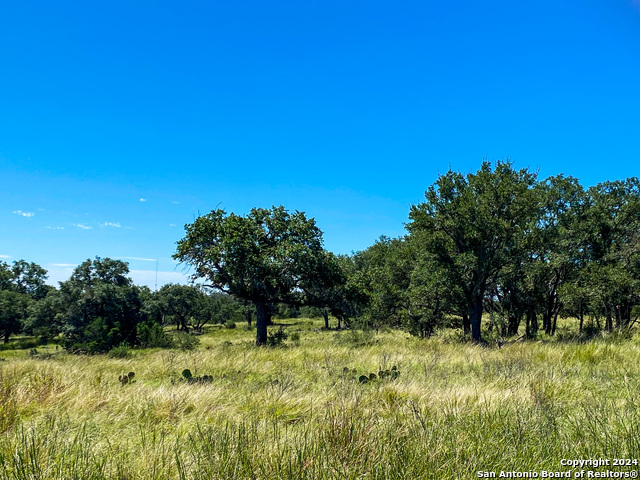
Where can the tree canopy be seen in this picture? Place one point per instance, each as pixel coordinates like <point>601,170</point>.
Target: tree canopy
<point>269,256</point>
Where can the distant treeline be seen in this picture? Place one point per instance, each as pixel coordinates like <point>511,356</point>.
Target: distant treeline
<point>100,308</point>
<point>498,242</point>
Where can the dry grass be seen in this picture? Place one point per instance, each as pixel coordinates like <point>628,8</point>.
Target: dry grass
<point>293,413</point>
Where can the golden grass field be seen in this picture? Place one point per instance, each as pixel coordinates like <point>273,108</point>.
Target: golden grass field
<point>293,412</point>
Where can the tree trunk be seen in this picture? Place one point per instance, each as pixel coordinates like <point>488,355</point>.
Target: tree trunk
<point>6,337</point>
<point>532,323</point>
<point>325,314</point>
<point>514,323</point>
<point>339,323</point>
<point>261,322</point>
<point>581,321</point>
<point>546,322</point>
<point>476,318</point>
<point>466,324</point>
<point>248,316</point>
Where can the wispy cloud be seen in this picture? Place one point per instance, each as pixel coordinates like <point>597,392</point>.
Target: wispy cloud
<point>111,224</point>
<point>176,203</point>
<point>143,199</point>
<point>138,258</point>
<point>172,224</point>
<point>5,256</point>
<point>63,264</point>
<point>84,227</point>
<point>55,228</point>
<point>24,214</point>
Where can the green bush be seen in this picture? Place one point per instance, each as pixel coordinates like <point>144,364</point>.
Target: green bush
<point>277,338</point>
<point>152,335</point>
<point>186,341</point>
<point>121,351</point>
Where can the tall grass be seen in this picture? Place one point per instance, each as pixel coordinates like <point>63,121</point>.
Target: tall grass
<point>294,412</point>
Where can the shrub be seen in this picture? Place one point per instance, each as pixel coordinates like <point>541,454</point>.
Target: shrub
<point>152,335</point>
<point>121,351</point>
<point>277,338</point>
<point>230,324</point>
<point>186,341</point>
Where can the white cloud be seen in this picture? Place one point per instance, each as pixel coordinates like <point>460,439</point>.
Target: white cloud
<point>176,203</point>
<point>143,199</point>
<point>111,224</point>
<point>63,264</point>
<point>24,214</point>
<point>84,227</point>
<point>55,228</point>
<point>172,224</point>
<point>5,256</point>
<point>138,258</point>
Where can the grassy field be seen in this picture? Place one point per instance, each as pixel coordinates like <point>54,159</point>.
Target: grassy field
<point>301,412</point>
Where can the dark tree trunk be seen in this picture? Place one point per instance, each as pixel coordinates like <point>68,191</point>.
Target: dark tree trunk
<point>546,322</point>
<point>532,323</point>
<point>476,318</point>
<point>325,314</point>
<point>609,320</point>
<point>248,316</point>
<point>261,322</point>
<point>514,324</point>
<point>339,323</point>
<point>6,337</point>
<point>466,324</point>
<point>581,321</point>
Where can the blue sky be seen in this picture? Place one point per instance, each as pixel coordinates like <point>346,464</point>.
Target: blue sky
<point>121,121</point>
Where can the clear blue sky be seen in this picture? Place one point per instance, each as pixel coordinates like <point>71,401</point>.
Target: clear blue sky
<point>121,121</point>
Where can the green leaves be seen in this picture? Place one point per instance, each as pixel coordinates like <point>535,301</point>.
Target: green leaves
<point>269,256</point>
<point>472,226</point>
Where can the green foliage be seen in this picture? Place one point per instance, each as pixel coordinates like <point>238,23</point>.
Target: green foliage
<point>186,341</point>
<point>46,316</point>
<point>185,306</point>
<point>102,307</point>
<point>121,351</point>
<point>152,335</point>
<point>13,309</point>
<point>277,338</point>
<point>471,224</point>
<point>230,325</point>
<point>267,257</point>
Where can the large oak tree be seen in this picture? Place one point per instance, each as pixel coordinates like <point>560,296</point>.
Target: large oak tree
<point>474,225</point>
<point>269,256</point>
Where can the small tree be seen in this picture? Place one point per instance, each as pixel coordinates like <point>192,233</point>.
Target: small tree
<point>102,306</point>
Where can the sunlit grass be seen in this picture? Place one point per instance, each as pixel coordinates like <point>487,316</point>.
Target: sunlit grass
<point>293,412</point>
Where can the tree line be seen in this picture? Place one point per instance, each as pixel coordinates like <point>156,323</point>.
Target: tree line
<point>498,245</point>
